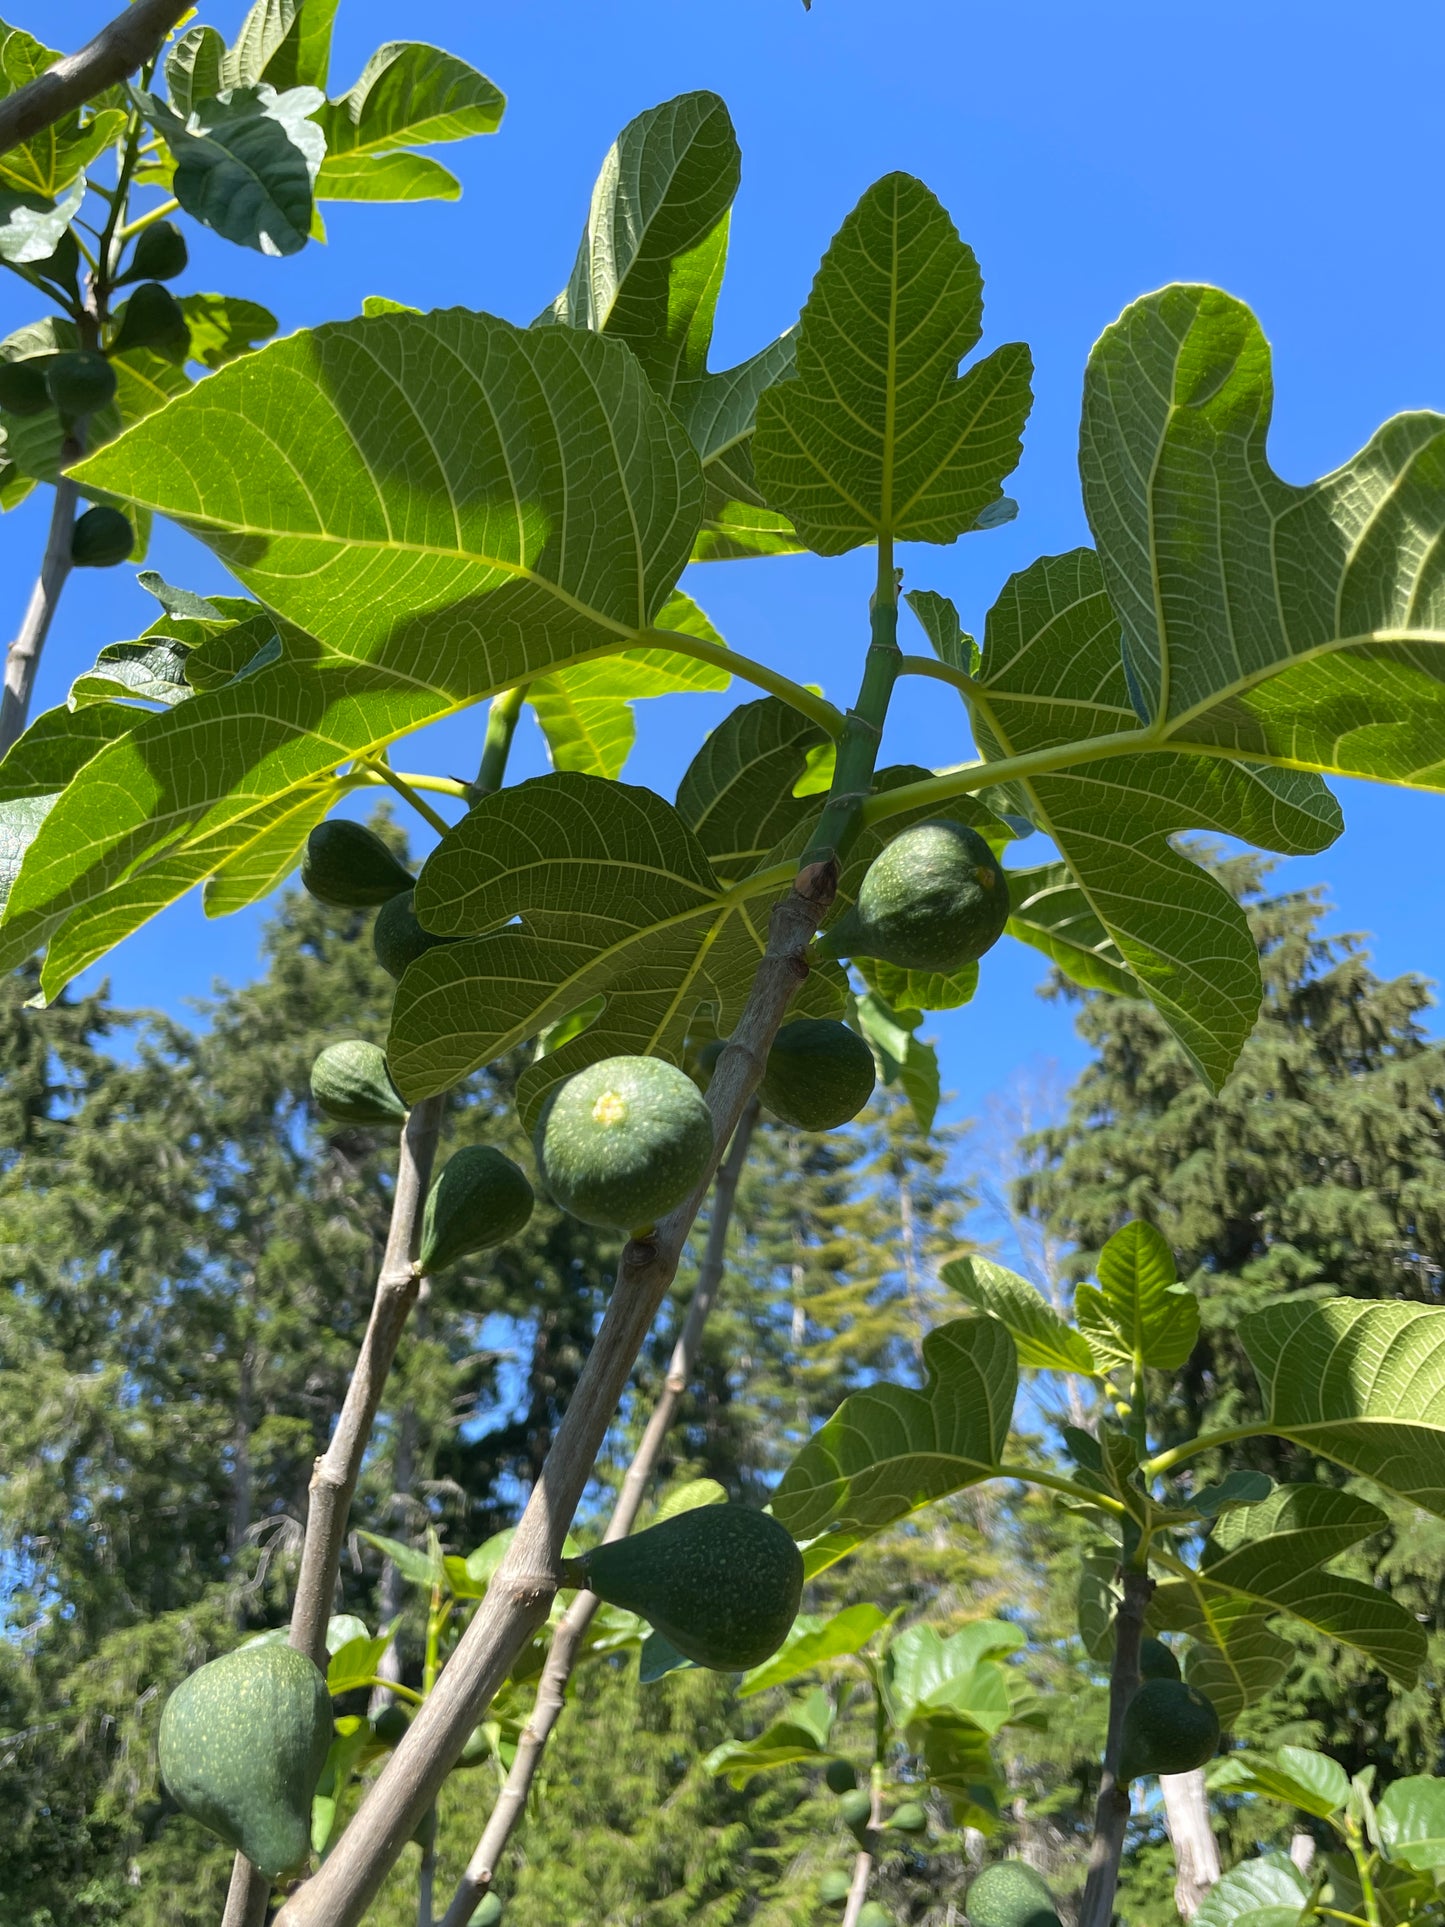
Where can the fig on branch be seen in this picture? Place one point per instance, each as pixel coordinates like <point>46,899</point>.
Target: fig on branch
<point>819,1074</point>
<point>390,1723</point>
<point>79,382</point>
<point>488,1912</point>
<point>350,1082</point>
<point>481,1199</point>
<point>1011,1894</point>
<point>397,936</point>
<point>242,1745</point>
<point>101,538</point>
<point>1168,1728</point>
<point>840,1776</point>
<point>871,1914</point>
<point>160,255</point>
<point>152,319</point>
<point>909,1818</point>
<point>624,1141</point>
<point>834,1887</point>
<point>935,899</point>
<point>1156,1661</point>
<point>856,1809</point>
<point>23,387</point>
<point>721,1583</point>
<point>348,866</point>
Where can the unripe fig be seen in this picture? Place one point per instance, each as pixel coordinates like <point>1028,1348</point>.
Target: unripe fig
<point>819,1074</point>
<point>160,255</point>
<point>397,937</point>
<point>856,1809</point>
<point>870,1914</point>
<point>153,319</point>
<point>1011,1894</point>
<point>909,1818</point>
<point>101,538</point>
<point>481,1199</point>
<point>1169,1728</point>
<point>935,899</point>
<point>1156,1661</point>
<point>79,382</point>
<point>834,1887</point>
<point>350,1082</point>
<point>839,1776</point>
<point>488,1912</point>
<point>390,1724</point>
<point>624,1141</point>
<point>347,865</point>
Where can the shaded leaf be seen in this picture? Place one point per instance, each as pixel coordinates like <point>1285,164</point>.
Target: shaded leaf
<point>246,162</point>
<point>800,1734</point>
<point>927,1673</point>
<point>223,326</point>
<point>914,451</point>
<point>1043,1340</point>
<point>902,1057</point>
<point>1139,1313</point>
<point>1050,911</point>
<point>1294,1775</point>
<point>737,794</point>
<point>193,68</point>
<point>939,620</point>
<point>1411,1819</point>
<point>348,1743</point>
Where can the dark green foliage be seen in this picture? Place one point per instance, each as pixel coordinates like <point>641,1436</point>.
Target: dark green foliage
<point>819,1074</point>
<point>935,899</point>
<point>1011,1894</point>
<point>721,1583</point>
<point>624,1141</point>
<point>348,865</point>
<point>1169,1728</point>
<point>23,387</point>
<point>1156,1661</point>
<point>397,936</point>
<point>160,254</point>
<point>101,538</point>
<point>839,1776</point>
<point>481,1199</point>
<point>351,1083</point>
<point>152,319</point>
<point>242,1745</point>
<point>79,382</point>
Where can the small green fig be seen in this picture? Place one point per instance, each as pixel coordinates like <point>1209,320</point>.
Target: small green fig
<point>350,1082</point>
<point>23,387</point>
<point>152,319</point>
<point>79,382</point>
<point>481,1199</point>
<point>840,1776</point>
<point>1169,1728</point>
<point>101,538</point>
<point>398,937</point>
<point>160,254</point>
<point>347,865</point>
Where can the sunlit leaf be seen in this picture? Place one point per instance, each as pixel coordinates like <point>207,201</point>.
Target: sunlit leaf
<point>409,95</point>
<point>246,162</point>
<point>814,1642</point>
<point>1050,911</point>
<point>1139,1312</point>
<point>800,1734</point>
<point>51,159</point>
<point>1043,1340</point>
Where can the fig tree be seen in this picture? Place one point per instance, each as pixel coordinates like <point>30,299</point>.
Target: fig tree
<point>242,1745</point>
<point>1169,1728</point>
<point>856,1809</point>
<point>624,1141</point>
<point>347,865</point>
<point>870,1914</point>
<point>481,1199</point>
<point>390,1723</point>
<point>488,1912</point>
<point>935,899</point>
<point>350,1082</point>
<point>101,538</point>
<point>909,1818</point>
<point>721,1583</point>
<point>833,1888</point>
<point>819,1074</point>
<point>1011,1894</point>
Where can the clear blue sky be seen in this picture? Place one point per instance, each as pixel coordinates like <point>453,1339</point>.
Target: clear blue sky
<point>1088,153</point>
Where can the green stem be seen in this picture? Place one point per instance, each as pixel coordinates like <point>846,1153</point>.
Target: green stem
<point>1364,1866</point>
<point>862,737</point>
<point>108,250</point>
<point>940,672</point>
<point>806,701</point>
<point>1055,1482</point>
<point>502,720</point>
<point>1163,1462</point>
<point>414,779</point>
<point>395,1686</point>
<point>403,788</point>
<point>132,228</point>
<point>1006,769</point>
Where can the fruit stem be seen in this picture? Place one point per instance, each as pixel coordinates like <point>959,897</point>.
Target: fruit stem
<point>497,743</point>
<point>862,737</point>
<point>1111,1812</point>
<point>381,768</point>
<point>567,1640</point>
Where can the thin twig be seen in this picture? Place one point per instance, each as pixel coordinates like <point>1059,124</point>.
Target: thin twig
<point>127,43</point>
<point>334,1475</point>
<point>566,1642</point>
<point>22,662</point>
<point>1111,1813</point>
<point>517,1600</point>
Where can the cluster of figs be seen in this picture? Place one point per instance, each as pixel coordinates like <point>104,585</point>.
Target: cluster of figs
<point>244,1740</point>
<point>73,384</point>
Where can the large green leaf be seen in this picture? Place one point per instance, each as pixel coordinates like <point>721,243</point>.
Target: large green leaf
<point>222,326</point>
<point>193,68</point>
<point>815,1642</point>
<point>888,1450</point>
<point>1362,1384</point>
<point>800,1734</point>
<point>303,58</point>
<point>903,1058</point>
<point>50,160</point>
<point>1411,1818</point>
<point>1139,1314</point>
<point>1302,625</point>
<point>876,435</point>
<point>1050,911</point>
<point>246,162</point>
<point>1266,1892</point>
<point>1052,675</point>
<point>928,1673</point>
<point>648,270</point>
<point>615,895</point>
<point>1043,1340</point>
<point>399,490</point>
<point>409,95</point>
<point>1294,1775</point>
<point>737,796</point>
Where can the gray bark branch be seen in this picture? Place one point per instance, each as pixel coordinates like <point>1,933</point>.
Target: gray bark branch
<point>567,1641</point>
<point>517,1600</point>
<point>121,47</point>
<point>1111,1813</point>
<point>22,660</point>
<point>1196,1851</point>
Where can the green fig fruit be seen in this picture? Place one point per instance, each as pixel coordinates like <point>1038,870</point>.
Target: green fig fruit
<point>397,936</point>
<point>23,387</point>
<point>160,254</point>
<point>347,865</point>
<point>834,1887</point>
<point>350,1082</point>
<point>909,1818</point>
<point>152,319</point>
<point>242,1745</point>
<point>1011,1894</point>
<point>840,1776</point>
<point>488,1912</point>
<point>935,899</point>
<point>856,1810</point>
<point>721,1583</point>
<point>481,1199</point>
<point>1156,1661</point>
<point>101,538</point>
<point>79,382</point>
<point>870,1914</point>
<point>478,1748</point>
<point>624,1141</point>
<point>1169,1728</point>
<point>390,1723</point>
<point>819,1074</point>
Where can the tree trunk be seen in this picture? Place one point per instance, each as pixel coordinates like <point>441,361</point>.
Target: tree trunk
<point>1196,1852</point>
